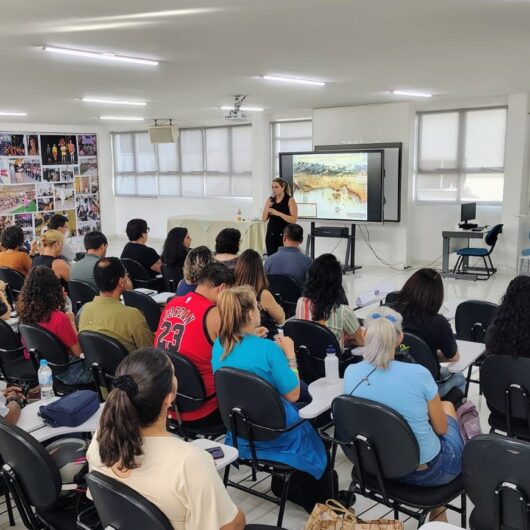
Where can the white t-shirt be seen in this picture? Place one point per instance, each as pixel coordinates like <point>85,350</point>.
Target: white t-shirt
<point>4,410</point>
<point>178,478</point>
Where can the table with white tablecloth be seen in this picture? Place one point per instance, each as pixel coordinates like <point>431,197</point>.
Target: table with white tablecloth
<point>203,231</point>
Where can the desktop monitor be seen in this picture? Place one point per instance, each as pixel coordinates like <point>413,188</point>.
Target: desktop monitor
<point>468,212</point>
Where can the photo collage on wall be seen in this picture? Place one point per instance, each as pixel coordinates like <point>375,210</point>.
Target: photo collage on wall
<point>42,174</point>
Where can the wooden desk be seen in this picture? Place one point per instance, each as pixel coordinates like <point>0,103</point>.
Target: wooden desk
<point>323,395</point>
<point>447,236</point>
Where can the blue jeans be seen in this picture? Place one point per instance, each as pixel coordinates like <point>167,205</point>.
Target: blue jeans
<point>455,381</point>
<point>447,465</point>
<point>78,373</point>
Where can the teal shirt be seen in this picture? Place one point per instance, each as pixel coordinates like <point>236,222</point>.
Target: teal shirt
<point>83,269</point>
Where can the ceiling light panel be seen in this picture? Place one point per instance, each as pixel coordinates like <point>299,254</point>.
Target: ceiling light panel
<point>100,56</point>
<point>293,80</point>
<point>108,101</point>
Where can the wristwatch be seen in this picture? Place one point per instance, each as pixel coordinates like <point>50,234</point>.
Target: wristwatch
<point>21,403</point>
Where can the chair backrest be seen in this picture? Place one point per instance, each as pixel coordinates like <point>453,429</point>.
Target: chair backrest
<point>121,508</point>
<point>242,394</point>
<point>14,281</point>
<point>80,293</point>
<point>311,341</point>
<point>497,480</point>
<point>380,437</point>
<point>493,235</point>
<point>46,345</point>
<point>171,277</point>
<point>505,382</point>
<point>391,298</point>
<point>285,287</point>
<point>35,471</point>
<point>138,274</point>
<point>421,353</point>
<point>12,355</point>
<point>146,305</point>
<point>107,351</point>
<point>472,319</point>
<point>190,389</point>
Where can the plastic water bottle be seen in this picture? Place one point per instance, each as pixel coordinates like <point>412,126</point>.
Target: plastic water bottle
<point>331,365</point>
<point>45,380</point>
<point>239,215</point>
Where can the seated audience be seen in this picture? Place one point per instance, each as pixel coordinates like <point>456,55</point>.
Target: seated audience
<point>51,248</point>
<point>136,249</point>
<point>12,401</point>
<point>176,248</point>
<point>106,314</point>
<point>59,222</point>
<point>5,306</point>
<point>322,301</point>
<point>238,346</point>
<point>194,264</point>
<point>249,271</point>
<point>189,325</point>
<point>11,255</point>
<point>419,301</point>
<point>411,391</point>
<point>96,245</point>
<point>509,333</point>
<point>133,446</point>
<point>227,246</point>
<point>42,301</point>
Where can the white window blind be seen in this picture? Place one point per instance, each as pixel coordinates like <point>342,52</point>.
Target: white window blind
<point>290,137</point>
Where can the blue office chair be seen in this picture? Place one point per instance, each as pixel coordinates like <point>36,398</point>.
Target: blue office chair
<point>474,252</point>
<point>525,256</point>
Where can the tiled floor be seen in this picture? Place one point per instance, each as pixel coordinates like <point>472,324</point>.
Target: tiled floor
<point>260,511</point>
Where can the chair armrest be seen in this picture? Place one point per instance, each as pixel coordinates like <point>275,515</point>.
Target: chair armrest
<point>3,350</point>
<point>88,519</point>
<point>282,430</point>
<point>65,365</point>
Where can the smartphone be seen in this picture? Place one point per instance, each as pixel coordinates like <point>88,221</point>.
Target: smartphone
<point>216,452</point>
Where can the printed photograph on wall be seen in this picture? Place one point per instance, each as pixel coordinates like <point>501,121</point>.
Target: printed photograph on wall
<point>5,221</point>
<point>44,189</point>
<point>29,236</point>
<point>4,170</point>
<point>64,196</point>
<point>17,199</point>
<point>89,167</point>
<point>24,220</point>
<point>87,144</point>
<point>32,144</point>
<point>45,204</point>
<point>12,144</point>
<point>82,185</point>
<point>51,174</point>
<point>68,173</point>
<point>58,149</point>
<point>24,170</point>
<point>94,185</point>
<point>42,219</point>
<point>87,207</point>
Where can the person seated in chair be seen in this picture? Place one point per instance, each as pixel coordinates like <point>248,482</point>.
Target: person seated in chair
<point>59,222</point>
<point>133,446</point>
<point>96,245</point>
<point>11,255</point>
<point>42,301</point>
<point>12,401</point>
<point>106,314</point>
<point>227,246</point>
<point>419,302</point>
<point>290,259</point>
<point>194,264</point>
<point>50,251</point>
<point>189,325</point>
<point>410,390</point>
<point>176,248</point>
<point>322,302</point>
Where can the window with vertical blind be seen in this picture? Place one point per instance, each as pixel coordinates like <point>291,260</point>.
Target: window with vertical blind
<point>460,156</point>
<point>204,162</point>
<point>290,137</point>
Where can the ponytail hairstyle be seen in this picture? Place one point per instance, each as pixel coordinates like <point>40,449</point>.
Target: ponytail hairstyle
<point>142,382</point>
<point>284,184</point>
<point>382,331</point>
<point>50,237</point>
<point>234,307</point>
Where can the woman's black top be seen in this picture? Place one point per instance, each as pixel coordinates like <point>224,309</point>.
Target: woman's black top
<point>46,261</point>
<point>277,224</point>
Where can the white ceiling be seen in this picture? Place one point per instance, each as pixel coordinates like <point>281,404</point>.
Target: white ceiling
<point>361,48</point>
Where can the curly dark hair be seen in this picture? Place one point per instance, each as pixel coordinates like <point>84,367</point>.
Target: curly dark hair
<point>509,333</point>
<point>41,294</point>
<point>12,237</point>
<point>324,286</point>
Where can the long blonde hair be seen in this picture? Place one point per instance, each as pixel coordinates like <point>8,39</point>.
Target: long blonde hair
<point>50,237</point>
<point>234,307</point>
<point>383,327</point>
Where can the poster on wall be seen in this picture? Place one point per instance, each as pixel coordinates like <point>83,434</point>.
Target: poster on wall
<point>44,174</point>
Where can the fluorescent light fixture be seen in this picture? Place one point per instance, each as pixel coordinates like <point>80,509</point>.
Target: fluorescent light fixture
<point>7,113</point>
<point>308,118</point>
<point>101,56</point>
<point>248,109</point>
<point>293,80</point>
<point>114,101</point>
<point>122,118</point>
<point>412,94</point>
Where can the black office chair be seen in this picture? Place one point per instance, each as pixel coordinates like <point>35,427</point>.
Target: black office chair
<point>14,367</point>
<point>191,395</point>
<point>137,273</point>
<point>472,319</point>
<point>252,409</point>
<point>311,341</point>
<point>497,482</point>
<point>171,277</point>
<point>505,383</point>
<point>80,293</point>
<point>391,298</point>
<point>461,266</point>
<point>146,305</point>
<point>286,291</point>
<point>382,447</point>
<point>14,281</point>
<point>103,354</point>
<point>45,345</point>
<point>34,481</point>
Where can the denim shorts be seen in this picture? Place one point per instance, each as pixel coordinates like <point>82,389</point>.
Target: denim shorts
<point>447,465</point>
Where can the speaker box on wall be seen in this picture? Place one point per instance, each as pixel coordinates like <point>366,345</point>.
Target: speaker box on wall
<point>163,134</point>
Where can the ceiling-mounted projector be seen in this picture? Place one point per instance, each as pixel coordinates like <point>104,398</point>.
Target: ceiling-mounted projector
<point>163,134</point>
<point>236,115</point>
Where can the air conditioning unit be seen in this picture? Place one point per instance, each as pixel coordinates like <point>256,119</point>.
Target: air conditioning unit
<point>163,134</point>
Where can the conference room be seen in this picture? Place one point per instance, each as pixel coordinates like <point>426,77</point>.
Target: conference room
<point>265,265</point>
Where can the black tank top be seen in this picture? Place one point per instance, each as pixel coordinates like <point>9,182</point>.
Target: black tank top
<point>46,261</point>
<point>277,224</point>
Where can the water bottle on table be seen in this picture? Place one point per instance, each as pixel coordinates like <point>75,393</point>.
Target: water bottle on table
<point>331,365</point>
<point>45,380</point>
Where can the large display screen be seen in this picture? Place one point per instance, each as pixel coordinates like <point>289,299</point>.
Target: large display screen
<point>345,186</point>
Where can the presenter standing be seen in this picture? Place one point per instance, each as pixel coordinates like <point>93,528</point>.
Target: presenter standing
<point>280,209</point>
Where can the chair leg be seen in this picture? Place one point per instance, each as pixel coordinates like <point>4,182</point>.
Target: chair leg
<point>396,513</point>
<point>423,518</point>
<point>283,499</point>
<point>463,506</point>
<point>9,510</point>
<point>468,381</point>
<point>226,475</point>
<point>457,264</point>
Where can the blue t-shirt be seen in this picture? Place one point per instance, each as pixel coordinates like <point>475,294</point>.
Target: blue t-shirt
<point>288,260</point>
<point>301,447</point>
<point>184,288</point>
<point>406,388</point>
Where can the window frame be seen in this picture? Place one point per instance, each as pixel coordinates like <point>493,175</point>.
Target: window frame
<point>178,173</point>
<point>460,171</point>
<point>274,138</point>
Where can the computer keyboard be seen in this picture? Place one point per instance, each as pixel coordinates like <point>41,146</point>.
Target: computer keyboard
<point>478,229</point>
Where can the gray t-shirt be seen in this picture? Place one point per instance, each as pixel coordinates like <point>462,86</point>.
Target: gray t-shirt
<point>289,260</point>
<point>84,269</point>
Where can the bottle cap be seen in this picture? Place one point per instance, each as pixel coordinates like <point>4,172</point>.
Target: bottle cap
<point>43,362</point>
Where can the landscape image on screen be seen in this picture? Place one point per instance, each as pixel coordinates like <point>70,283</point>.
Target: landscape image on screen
<point>334,186</point>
